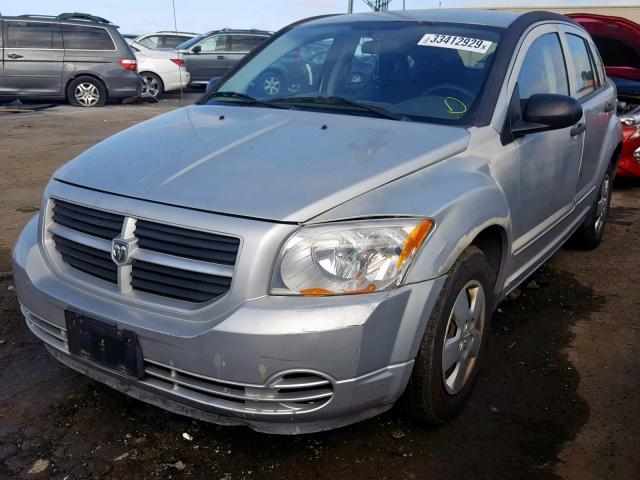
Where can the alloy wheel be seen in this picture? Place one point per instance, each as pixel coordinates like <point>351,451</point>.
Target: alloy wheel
<point>87,94</point>
<point>602,206</point>
<point>271,85</point>
<point>150,86</point>
<point>463,338</point>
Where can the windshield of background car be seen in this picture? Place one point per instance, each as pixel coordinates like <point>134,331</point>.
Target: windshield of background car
<point>191,42</point>
<point>424,71</point>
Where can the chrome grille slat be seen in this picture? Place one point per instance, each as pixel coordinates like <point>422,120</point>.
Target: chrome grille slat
<point>182,263</point>
<point>177,263</point>
<point>81,238</point>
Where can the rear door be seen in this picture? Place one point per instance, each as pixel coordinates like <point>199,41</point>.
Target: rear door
<point>589,87</point>
<point>33,58</point>
<point>238,46</point>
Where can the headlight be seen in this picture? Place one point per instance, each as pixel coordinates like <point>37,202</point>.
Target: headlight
<point>349,258</point>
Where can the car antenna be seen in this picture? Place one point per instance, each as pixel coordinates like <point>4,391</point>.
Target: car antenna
<point>175,27</point>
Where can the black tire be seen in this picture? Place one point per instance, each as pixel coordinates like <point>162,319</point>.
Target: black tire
<point>427,397</point>
<point>152,84</point>
<point>589,235</point>
<point>271,84</point>
<point>96,92</point>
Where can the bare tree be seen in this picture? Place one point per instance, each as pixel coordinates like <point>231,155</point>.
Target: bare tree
<point>378,5</point>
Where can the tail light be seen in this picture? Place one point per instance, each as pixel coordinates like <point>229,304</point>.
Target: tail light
<point>128,64</point>
<point>178,61</point>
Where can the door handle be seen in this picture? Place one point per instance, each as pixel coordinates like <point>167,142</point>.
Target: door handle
<point>608,107</point>
<point>14,56</point>
<point>220,57</point>
<point>578,129</point>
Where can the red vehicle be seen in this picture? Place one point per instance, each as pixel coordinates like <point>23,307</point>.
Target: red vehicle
<point>629,113</point>
<point>618,41</point>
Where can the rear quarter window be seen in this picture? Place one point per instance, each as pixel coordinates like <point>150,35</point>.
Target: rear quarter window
<point>86,38</point>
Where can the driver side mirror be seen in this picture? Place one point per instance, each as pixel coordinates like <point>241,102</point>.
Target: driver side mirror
<point>212,84</point>
<point>547,111</point>
<point>196,49</point>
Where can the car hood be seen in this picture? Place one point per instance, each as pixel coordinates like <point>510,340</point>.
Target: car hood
<point>279,165</point>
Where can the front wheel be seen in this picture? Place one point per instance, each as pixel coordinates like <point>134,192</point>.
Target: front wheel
<point>452,346</point>
<point>87,92</point>
<point>589,234</point>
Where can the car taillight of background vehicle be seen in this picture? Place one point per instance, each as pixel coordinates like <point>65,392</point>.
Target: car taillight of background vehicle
<point>178,61</point>
<point>128,64</point>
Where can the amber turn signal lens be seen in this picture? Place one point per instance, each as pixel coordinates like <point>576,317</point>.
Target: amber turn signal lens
<point>414,240</point>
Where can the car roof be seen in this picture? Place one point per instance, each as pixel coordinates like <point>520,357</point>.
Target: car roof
<point>67,18</point>
<point>231,30</point>
<point>491,18</point>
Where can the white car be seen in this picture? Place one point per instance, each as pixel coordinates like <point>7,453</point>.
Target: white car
<point>164,40</point>
<point>161,71</point>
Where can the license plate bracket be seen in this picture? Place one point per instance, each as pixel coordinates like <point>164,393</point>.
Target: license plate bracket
<point>104,344</point>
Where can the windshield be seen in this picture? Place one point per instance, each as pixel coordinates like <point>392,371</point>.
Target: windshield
<point>191,42</point>
<point>419,71</point>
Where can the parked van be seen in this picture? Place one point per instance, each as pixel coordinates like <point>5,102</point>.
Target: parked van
<point>76,56</point>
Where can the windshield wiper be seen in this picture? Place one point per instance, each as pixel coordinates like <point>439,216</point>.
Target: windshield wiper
<point>243,98</point>
<point>341,101</point>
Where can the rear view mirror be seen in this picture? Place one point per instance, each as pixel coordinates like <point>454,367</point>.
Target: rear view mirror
<point>547,111</point>
<point>370,47</point>
<point>196,49</point>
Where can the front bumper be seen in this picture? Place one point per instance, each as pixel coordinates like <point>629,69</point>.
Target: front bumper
<point>229,370</point>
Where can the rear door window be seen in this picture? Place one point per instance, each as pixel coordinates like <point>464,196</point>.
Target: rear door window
<point>543,69</point>
<point>240,43</point>
<point>86,38</point>
<point>583,72</point>
<point>29,35</point>
<point>258,40</point>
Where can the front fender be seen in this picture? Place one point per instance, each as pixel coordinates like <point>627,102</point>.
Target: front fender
<point>459,194</point>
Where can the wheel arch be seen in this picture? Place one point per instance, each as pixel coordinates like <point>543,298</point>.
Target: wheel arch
<point>82,74</point>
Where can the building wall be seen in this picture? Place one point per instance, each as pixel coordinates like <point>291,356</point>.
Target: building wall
<point>628,12</point>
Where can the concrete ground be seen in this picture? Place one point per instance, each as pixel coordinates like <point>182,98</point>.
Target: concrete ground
<point>557,396</point>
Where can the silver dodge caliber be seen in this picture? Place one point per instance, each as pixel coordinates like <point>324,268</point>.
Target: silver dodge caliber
<point>300,257</point>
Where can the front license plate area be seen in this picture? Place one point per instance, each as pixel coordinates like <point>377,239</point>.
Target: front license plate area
<point>104,344</point>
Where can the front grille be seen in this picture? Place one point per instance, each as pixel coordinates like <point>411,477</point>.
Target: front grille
<point>173,262</point>
<point>87,259</point>
<point>287,393</point>
<point>87,220</point>
<point>177,283</point>
<point>181,242</point>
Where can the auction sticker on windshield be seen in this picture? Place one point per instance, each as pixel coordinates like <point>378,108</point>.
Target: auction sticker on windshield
<point>456,42</point>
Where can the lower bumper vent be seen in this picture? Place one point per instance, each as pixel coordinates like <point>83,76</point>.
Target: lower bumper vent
<point>287,393</point>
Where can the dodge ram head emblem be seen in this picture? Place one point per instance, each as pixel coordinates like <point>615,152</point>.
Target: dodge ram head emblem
<point>120,251</point>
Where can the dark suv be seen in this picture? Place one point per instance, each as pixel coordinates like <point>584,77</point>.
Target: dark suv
<point>76,56</point>
<point>214,53</point>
